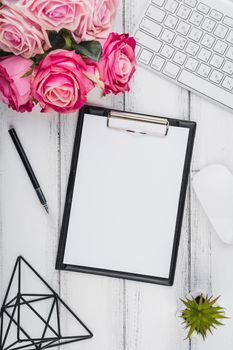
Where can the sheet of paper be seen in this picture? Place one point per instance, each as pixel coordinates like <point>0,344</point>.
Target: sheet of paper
<point>125,199</point>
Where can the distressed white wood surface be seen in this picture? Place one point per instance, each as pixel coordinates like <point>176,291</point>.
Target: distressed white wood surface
<point>123,315</point>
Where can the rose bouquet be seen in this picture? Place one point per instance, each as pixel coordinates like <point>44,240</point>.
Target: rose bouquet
<point>53,52</point>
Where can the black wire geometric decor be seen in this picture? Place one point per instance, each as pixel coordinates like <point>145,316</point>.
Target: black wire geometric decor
<point>30,317</point>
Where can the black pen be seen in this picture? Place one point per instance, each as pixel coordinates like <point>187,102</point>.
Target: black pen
<point>28,168</point>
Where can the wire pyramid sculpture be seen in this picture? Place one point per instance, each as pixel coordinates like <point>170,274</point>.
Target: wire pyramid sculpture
<point>30,317</point>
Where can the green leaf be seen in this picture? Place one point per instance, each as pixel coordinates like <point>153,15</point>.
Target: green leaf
<point>214,300</point>
<point>88,49</point>
<point>56,39</point>
<point>68,38</point>
<point>64,40</point>
<point>192,329</point>
<point>61,40</point>
<point>186,303</point>
<point>27,74</point>
<point>4,54</point>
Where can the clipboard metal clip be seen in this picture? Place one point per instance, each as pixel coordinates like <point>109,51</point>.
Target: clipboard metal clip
<point>136,123</point>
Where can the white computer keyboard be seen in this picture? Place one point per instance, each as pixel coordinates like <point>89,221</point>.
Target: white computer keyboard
<point>191,43</point>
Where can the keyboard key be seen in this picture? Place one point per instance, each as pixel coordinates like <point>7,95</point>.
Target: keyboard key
<point>180,42</point>
<point>192,48</point>
<point>155,13</point>
<point>171,6</point>
<point>220,47</point>
<point>158,2</point>
<point>167,36</point>
<point>148,41</point>
<point>167,51</point>
<point>145,56</point>
<point>196,18</point>
<point>205,87</point>
<point>171,70</point>
<point>216,76</point>
<point>216,61</point>
<point>230,37</point>
<point>208,25</point>
<point>157,63</point>
<point>216,15</point>
<point>204,70</point>
<point>179,57</point>
<point>183,12</point>
<point>171,21</point>
<point>137,50</point>
<point>228,21</point>
<point>203,8</point>
<point>228,83</point>
<point>221,31</point>
<point>229,53</point>
<point>195,34</point>
<point>228,67</point>
<point>191,64</point>
<point>208,41</point>
<point>183,28</point>
<point>151,27</point>
<point>204,55</point>
<point>191,3</point>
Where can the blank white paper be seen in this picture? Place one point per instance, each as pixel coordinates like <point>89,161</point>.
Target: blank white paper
<point>125,199</point>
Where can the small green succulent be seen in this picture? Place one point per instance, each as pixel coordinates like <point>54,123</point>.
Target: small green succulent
<point>201,315</point>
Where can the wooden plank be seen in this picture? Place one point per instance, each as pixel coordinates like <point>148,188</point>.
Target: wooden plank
<point>97,300</point>
<point>26,229</point>
<point>122,315</point>
<point>150,321</point>
<point>211,259</point>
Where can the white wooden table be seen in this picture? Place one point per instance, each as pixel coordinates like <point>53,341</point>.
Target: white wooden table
<point>123,315</point>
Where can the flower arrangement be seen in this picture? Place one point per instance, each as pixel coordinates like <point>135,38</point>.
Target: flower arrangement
<point>53,52</point>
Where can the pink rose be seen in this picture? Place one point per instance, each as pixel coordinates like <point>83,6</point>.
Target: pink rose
<point>59,83</point>
<point>98,22</point>
<point>20,35</point>
<point>15,90</point>
<point>92,73</point>
<point>14,3</point>
<point>53,14</point>
<point>117,63</point>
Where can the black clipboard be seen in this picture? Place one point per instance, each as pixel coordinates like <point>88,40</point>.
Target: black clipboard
<point>105,112</point>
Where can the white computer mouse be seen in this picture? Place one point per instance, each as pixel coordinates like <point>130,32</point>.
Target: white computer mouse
<point>214,188</point>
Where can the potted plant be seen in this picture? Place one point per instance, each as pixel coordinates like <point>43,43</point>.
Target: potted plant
<point>201,315</point>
